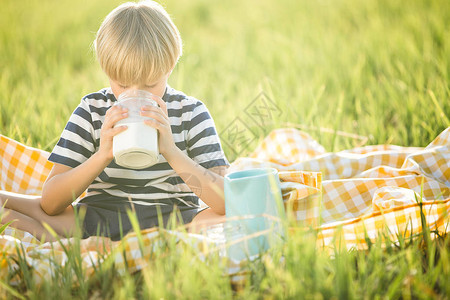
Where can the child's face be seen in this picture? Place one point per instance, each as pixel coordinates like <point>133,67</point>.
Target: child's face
<point>156,88</point>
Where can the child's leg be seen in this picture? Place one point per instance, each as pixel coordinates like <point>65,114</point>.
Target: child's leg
<point>204,219</point>
<point>28,213</point>
<point>25,223</point>
<point>18,202</point>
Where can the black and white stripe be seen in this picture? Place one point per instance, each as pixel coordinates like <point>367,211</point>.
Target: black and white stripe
<point>193,132</point>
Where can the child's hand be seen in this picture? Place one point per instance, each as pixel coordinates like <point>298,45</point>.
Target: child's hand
<point>113,115</point>
<point>160,121</point>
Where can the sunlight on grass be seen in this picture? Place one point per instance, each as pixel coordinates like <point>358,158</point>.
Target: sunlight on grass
<point>374,69</point>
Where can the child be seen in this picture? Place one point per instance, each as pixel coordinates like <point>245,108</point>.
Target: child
<point>137,46</point>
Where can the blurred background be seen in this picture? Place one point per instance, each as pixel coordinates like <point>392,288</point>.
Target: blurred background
<point>376,69</point>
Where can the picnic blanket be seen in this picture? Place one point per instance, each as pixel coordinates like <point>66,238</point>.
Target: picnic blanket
<point>351,196</point>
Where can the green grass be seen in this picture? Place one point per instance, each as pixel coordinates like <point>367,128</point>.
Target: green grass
<point>374,68</point>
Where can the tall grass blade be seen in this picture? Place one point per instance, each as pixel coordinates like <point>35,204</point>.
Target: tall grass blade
<point>441,114</point>
<point>4,226</point>
<point>10,290</point>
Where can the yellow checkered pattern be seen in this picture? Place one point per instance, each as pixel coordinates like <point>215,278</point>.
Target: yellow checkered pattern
<point>364,190</point>
<point>351,196</point>
<point>23,169</point>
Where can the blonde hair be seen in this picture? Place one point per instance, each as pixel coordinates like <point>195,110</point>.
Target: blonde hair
<point>138,43</point>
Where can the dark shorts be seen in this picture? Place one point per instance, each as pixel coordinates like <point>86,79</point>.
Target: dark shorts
<point>111,219</point>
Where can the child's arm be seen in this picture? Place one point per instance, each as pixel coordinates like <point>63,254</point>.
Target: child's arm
<point>211,184</point>
<point>64,184</point>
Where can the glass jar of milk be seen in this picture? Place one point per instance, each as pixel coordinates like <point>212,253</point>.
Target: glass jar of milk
<point>136,147</point>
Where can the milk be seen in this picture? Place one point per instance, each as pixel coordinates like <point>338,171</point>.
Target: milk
<point>136,147</point>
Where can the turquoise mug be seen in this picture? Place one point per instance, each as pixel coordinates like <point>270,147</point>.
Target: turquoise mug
<point>254,210</point>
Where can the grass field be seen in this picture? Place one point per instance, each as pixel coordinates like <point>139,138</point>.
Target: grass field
<point>378,69</point>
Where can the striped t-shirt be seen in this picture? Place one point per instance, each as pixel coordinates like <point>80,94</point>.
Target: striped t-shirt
<point>193,132</point>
